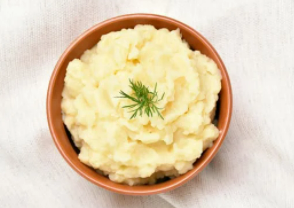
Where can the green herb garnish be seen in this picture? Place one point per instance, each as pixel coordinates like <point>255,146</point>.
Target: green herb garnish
<point>144,100</point>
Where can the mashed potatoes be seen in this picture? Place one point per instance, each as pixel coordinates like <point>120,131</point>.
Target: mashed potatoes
<point>143,149</point>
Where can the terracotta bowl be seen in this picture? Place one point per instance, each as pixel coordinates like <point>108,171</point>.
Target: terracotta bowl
<point>86,41</point>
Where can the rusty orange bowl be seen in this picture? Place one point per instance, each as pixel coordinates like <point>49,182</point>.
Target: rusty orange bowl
<point>86,41</point>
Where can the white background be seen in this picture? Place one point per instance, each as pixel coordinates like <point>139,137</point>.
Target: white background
<point>254,167</point>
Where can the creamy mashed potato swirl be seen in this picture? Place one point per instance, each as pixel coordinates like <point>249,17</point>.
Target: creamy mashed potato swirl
<point>143,149</point>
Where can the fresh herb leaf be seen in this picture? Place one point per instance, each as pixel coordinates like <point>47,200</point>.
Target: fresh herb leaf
<point>145,101</point>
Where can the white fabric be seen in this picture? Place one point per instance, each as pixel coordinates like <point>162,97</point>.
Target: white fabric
<point>254,167</point>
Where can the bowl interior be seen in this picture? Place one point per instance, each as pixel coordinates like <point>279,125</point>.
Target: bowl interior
<point>87,41</point>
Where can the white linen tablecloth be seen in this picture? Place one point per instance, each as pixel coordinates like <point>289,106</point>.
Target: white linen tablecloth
<point>254,167</point>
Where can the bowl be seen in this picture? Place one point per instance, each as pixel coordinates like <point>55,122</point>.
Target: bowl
<point>86,41</point>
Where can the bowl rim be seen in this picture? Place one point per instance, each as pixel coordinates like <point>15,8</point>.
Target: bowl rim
<point>153,189</point>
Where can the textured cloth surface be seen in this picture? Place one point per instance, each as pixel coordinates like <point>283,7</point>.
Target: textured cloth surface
<point>254,167</point>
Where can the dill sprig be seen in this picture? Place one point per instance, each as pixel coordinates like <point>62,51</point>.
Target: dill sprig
<point>144,100</point>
